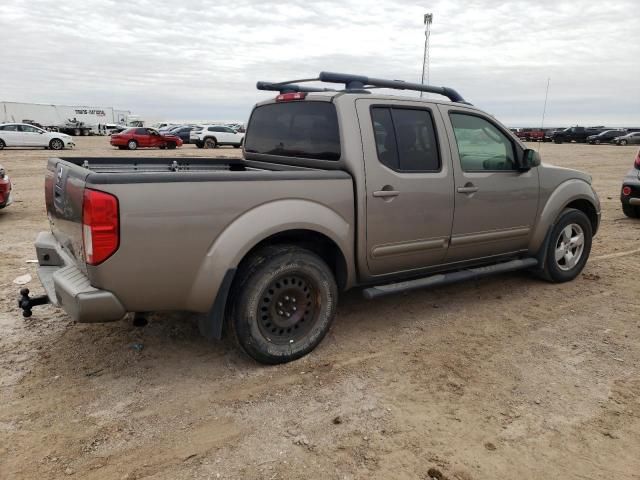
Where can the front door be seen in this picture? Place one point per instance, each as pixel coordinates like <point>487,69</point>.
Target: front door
<point>495,203</point>
<point>32,136</point>
<point>409,185</point>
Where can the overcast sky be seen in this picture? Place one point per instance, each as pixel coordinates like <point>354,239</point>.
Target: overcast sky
<point>184,59</point>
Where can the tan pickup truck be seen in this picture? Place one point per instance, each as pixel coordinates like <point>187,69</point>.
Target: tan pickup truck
<point>337,189</point>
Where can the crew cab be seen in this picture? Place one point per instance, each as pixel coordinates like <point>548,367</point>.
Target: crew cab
<point>336,190</point>
<point>5,189</point>
<point>26,135</point>
<point>213,136</point>
<point>134,138</point>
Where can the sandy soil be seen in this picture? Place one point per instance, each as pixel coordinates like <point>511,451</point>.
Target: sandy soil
<point>508,377</point>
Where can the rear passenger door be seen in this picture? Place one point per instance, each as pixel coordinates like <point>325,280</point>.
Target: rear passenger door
<point>495,203</point>
<point>409,185</point>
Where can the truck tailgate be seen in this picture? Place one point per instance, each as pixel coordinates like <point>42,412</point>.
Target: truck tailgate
<point>64,189</point>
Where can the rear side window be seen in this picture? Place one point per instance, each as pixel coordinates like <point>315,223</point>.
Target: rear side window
<point>303,129</point>
<point>405,139</point>
<point>10,128</point>
<point>142,131</point>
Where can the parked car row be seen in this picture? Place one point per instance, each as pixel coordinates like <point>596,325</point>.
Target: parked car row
<point>591,135</point>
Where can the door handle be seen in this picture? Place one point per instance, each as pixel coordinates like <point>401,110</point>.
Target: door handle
<point>468,188</point>
<point>386,193</point>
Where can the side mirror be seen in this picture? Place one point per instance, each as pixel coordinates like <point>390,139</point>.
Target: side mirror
<point>530,159</point>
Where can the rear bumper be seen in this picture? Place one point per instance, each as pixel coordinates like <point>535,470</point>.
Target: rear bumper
<point>68,287</point>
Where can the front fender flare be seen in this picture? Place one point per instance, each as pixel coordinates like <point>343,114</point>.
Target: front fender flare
<point>565,193</point>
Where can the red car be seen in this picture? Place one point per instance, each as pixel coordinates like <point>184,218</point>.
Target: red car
<point>5,189</point>
<point>133,138</point>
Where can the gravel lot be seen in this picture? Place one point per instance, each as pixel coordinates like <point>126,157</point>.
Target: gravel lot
<point>507,377</point>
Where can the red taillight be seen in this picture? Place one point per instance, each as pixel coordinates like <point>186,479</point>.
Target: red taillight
<point>100,226</point>
<point>626,191</point>
<point>288,97</point>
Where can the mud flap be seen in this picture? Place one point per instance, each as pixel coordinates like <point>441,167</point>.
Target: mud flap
<point>211,324</point>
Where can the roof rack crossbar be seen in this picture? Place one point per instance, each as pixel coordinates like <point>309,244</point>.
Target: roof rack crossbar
<point>357,83</point>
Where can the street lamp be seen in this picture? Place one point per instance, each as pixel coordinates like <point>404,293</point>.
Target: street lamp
<point>428,19</point>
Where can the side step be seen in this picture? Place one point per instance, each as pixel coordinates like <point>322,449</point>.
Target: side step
<point>447,278</point>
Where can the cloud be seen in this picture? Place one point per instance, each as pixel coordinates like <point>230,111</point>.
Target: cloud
<point>199,59</point>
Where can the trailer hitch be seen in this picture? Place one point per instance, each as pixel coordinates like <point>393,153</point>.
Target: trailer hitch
<point>26,303</point>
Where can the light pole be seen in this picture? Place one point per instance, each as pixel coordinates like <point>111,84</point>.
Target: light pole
<point>428,18</point>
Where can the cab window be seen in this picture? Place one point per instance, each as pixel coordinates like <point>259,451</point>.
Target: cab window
<point>405,139</point>
<point>481,145</point>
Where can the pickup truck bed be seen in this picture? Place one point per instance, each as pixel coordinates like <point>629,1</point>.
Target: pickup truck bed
<point>177,220</point>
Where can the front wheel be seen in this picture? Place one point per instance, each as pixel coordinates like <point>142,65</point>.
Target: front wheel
<point>622,142</point>
<point>284,303</point>
<point>56,144</point>
<point>569,246</point>
<point>2,145</point>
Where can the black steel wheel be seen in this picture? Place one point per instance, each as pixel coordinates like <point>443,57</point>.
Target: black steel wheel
<point>284,300</point>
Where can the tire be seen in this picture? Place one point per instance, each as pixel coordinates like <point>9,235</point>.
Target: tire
<point>622,142</point>
<point>56,144</point>
<point>132,144</point>
<point>2,145</point>
<point>210,143</point>
<point>631,211</point>
<point>85,133</point>
<point>597,142</point>
<point>557,140</point>
<point>560,267</point>
<point>76,132</point>
<point>171,145</point>
<point>281,279</point>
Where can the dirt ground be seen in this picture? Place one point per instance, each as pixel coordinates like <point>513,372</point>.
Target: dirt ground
<point>508,377</point>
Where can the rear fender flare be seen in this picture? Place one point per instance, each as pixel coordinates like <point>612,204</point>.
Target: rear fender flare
<point>238,238</point>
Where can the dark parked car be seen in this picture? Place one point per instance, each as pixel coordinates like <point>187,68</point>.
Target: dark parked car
<point>605,137</point>
<point>182,132</point>
<point>630,194</point>
<point>575,134</point>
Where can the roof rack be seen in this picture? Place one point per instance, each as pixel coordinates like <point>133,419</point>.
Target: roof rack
<point>357,83</point>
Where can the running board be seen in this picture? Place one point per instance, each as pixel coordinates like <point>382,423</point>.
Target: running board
<point>447,278</point>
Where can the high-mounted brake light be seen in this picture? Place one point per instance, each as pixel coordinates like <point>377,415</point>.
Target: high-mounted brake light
<point>288,97</point>
<point>100,226</point>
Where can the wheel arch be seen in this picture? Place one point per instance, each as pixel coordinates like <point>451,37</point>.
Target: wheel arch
<point>301,222</point>
<point>573,193</point>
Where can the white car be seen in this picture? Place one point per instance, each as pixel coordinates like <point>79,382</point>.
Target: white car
<point>212,136</point>
<point>25,135</point>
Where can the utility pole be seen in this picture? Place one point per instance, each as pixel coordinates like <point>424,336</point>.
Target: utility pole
<point>428,18</point>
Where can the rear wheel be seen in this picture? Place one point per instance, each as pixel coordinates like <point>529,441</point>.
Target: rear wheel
<point>2,144</point>
<point>569,247</point>
<point>622,142</point>
<point>171,145</point>
<point>132,144</point>
<point>631,211</point>
<point>557,140</point>
<point>285,302</point>
<point>56,144</point>
<point>210,143</point>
